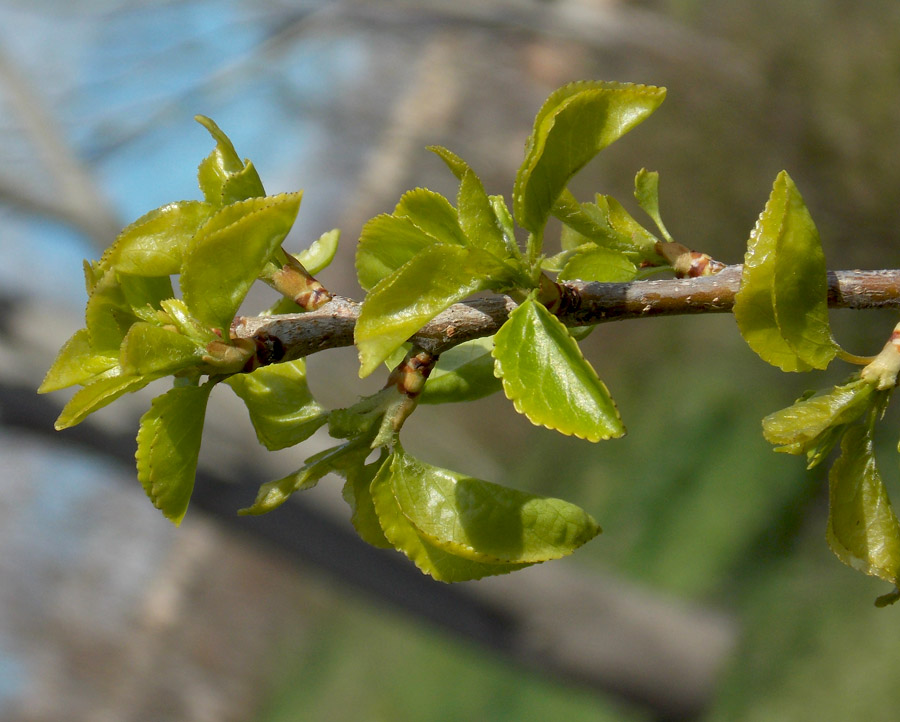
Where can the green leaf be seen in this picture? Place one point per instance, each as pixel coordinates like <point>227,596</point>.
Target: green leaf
<point>477,216</point>
<point>599,264</point>
<point>282,409</point>
<point>646,192</point>
<point>141,292</point>
<point>321,252</point>
<point>505,221</point>
<point>229,252</point>
<point>76,363</point>
<point>486,522</point>
<point>108,316</point>
<point>403,536</point>
<point>223,177</point>
<point>155,243</point>
<point>431,213</point>
<point>149,349</point>
<point>429,283</point>
<point>168,446</point>
<point>386,243</point>
<point>863,530</point>
<point>180,316</point>
<point>464,373</point>
<point>782,306</point>
<point>357,494</point>
<point>97,394</point>
<point>548,379</point>
<point>574,124</point>
<point>805,427</point>
<point>338,459</point>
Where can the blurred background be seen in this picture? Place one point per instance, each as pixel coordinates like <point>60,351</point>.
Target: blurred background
<point>711,595</point>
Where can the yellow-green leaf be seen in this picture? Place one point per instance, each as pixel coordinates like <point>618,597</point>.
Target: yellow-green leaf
<point>486,522</point>
<point>548,379</point>
<point>168,446</point>
<point>76,363</point>
<point>863,530</point>
<point>782,306</point>
<point>574,124</point>
<point>282,409</point>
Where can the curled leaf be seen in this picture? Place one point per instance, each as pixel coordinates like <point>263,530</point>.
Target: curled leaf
<point>574,124</point>
<point>782,306</point>
<point>486,522</point>
<point>168,446</point>
<point>229,252</point>
<point>444,566</point>
<point>282,409</point>
<point>863,530</point>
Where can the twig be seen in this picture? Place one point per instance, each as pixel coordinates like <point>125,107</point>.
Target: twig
<point>331,326</point>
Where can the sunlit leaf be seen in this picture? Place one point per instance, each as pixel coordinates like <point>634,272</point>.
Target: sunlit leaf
<point>181,317</point>
<point>486,522</point>
<point>464,373</point>
<point>223,177</point>
<point>599,264</point>
<point>155,243</point>
<point>548,379</point>
<point>863,530</point>
<point>386,243</point>
<point>321,252</point>
<point>229,252</point>
<point>805,427</point>
<point>646,192</point>
<point>108,316</point>
<point>149,349</point>
<point>477,216</point>
<point>403,536</point>
<point>97,394</point>
<point>358,495</point>
<point>432,214</point>
<point>433,280</point>
<point>282,409</point>
<point>574,124</point>
<point>338,459</point>
<point>782,308</point>
<point>168,446</point>
<point>76,363</point>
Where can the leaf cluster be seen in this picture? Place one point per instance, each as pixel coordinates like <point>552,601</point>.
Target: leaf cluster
<point>414,263</point>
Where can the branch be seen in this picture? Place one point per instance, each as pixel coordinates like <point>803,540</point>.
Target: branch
<point>588,304</point>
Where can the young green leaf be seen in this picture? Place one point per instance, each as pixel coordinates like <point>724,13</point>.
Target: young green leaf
<point>485,522</point>
<point>782,307</point>
<point>548,379</point>
<point>358,495</point>
<point>168,446</point>
<point>464,373</point>
<point>646,192</point>
<point>180,316</point>
<point>863,530</point>
<point>386,243</point>
<point>433,280</point>
<point>229,252</point>
<point>321,252</point>
<point>108,315</point>
<point>223,177</point>
<point>806,427</point>
<point>598,264</point>
<point>97,394</point>
<point>155,243</point>
<point>477,216</point>
<point>76,363</point>
<point>403,536</point>
<point>282,409</point>
<point>338,459</point>
<point>574,124</point>
<point>431,213</point>
<point>150,349</point>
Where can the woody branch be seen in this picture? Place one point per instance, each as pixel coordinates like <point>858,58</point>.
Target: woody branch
<point>331,326</point>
